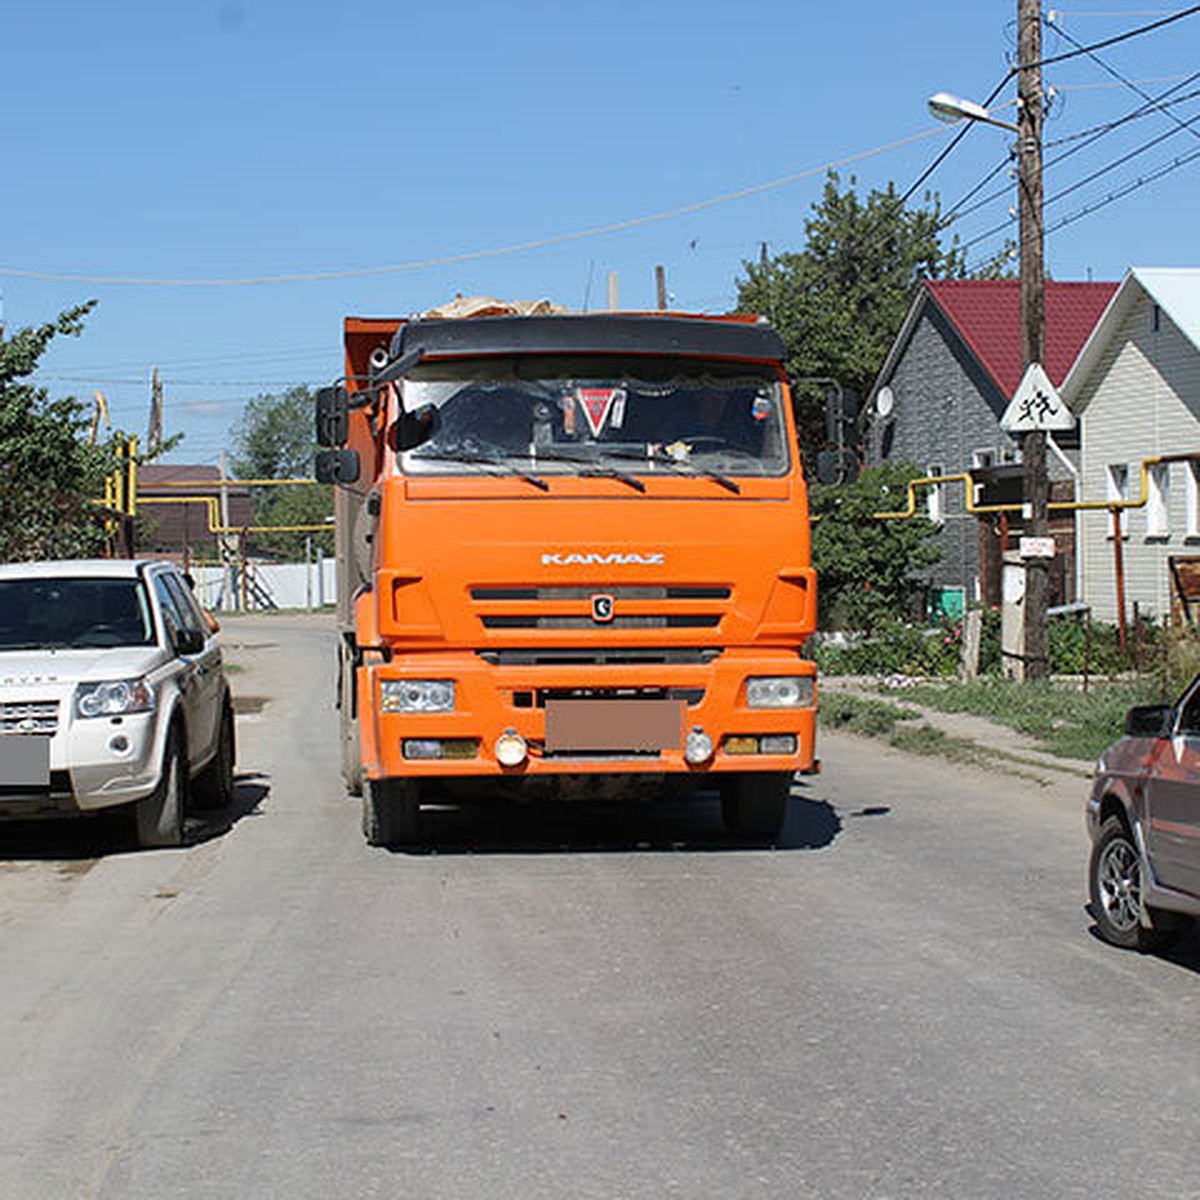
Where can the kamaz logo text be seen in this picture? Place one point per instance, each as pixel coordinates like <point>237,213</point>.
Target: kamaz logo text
<point>617,559</point>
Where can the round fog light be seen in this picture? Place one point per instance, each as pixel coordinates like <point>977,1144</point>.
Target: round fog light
<point>511,750</point>
<point>699,746</point>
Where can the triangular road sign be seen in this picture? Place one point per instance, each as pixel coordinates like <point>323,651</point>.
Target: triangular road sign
<point>1036,404</point>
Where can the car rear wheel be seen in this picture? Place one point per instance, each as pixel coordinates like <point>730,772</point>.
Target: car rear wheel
<point>159,816</point>
<point>754,805</point>
<point>391,812</point>
<point>1115,889</point>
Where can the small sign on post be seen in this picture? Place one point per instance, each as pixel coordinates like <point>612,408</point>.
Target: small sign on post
<point>1036,547</point>
<point>1036,405</point>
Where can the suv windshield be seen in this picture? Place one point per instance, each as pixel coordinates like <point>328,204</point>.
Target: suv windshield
<point>41,613</point>
<point>567,416</point>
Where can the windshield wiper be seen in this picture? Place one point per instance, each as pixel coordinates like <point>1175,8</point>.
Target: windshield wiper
<point>679,466</point>
<point>487,460</point>
<point>591,468</point>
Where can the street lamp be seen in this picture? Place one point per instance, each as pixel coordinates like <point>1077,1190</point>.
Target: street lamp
<point>1033,304</point>
<point>953,109</point>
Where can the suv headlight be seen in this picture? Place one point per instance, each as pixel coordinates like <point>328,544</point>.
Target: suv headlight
<point>417,695</point>
<point>795,691</point>
<point>114,698</point>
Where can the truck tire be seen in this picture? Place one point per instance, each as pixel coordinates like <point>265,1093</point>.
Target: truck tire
<point>391,812</point>
<point>158,817</point>
<point>754,805</point>
<point>348,721</point>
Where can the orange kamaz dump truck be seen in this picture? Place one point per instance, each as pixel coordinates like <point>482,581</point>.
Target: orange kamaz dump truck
<point>573,561</point>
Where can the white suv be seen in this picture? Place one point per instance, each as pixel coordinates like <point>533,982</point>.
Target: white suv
<point>112,693</point>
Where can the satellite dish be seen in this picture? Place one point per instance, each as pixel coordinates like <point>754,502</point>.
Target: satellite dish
<point>885,401</point>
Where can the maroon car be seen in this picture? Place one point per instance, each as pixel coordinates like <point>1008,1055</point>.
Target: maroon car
<point>1143,816</point>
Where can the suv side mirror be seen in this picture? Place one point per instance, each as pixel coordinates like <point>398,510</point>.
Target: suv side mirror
<point>333,424</point>
<point>189,641</point>
<point>1149,720</point>
<point>337,466</point>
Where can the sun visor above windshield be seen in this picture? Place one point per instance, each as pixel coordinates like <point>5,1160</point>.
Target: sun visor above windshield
<point>745,340</point>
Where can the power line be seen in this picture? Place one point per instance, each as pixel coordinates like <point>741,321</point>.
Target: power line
<point>1158,173</point>
<point>476,255</point>
<point>1121,79</point>
<point>1092,136</point>
<point>1113,41</point>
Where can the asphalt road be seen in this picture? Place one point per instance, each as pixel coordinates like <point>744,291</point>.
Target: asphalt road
<point>902,999</point>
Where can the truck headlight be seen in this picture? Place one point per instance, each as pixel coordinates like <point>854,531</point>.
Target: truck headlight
<point>417,695</point>
<point>791,691</point>
<point>114,698</point>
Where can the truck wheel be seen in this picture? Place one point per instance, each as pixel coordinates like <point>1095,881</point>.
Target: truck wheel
<point>159,816</point>
<point>391,812</point>
<point>754,805</point>
<point>1115,890</point>
<point>213,787</point>
<point>348,721</point>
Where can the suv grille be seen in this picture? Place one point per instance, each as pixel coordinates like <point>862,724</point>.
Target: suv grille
<point>22,716</point>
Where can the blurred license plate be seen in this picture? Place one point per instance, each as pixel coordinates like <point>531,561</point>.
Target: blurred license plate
<point>614,725</point>
<point>24,761</point>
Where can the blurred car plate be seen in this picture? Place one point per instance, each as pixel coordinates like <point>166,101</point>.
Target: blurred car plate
<point>24,761</point>
<point>614,725</point>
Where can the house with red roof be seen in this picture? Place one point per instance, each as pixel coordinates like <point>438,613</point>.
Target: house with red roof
<point>937,403</point>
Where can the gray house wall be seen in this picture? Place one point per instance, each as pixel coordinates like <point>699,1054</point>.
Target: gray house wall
<point>946,410</point>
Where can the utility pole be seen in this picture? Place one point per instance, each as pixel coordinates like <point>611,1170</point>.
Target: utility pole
<point>1033,324</point>
<point>154,435</point>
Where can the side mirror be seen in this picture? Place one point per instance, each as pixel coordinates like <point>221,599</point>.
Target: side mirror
<point>1149,720</point>
<point>338,466</point>
<point>333,424</point>
<point>189,641</point>
<point>413,429</point>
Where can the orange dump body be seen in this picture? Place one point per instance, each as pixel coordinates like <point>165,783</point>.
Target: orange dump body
<point>575,622</point>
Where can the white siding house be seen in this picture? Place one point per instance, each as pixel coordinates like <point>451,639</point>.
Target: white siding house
<point>1135,387</point>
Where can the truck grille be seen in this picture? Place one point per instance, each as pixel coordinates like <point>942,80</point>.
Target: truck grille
<point>676,606</point>
<point>29,716</point>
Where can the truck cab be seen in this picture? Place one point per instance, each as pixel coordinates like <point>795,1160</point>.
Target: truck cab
<point>574,557</point>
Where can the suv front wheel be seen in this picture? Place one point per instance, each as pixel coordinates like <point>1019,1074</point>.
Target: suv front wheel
<point>159,816</point>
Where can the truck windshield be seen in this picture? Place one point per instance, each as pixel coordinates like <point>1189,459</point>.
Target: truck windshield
<point>41,613</point>
<point>637,416</point>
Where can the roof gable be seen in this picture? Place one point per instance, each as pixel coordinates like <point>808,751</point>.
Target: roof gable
<point>1176,291</point>
<point>986,313</point>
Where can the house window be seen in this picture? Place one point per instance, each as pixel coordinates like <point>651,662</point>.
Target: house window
<point>933,496</point>
<point>1191,482</point>
<point>1116,486</point>
<point>1010,454</point>
<point>1158,500</point>
<point>983,458</point>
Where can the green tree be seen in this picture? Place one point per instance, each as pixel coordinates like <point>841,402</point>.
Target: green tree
<point>49,474</point>
<point>840,302</point>
<point>301,504</point>
<point>867,568</point>
<point>274,439</point>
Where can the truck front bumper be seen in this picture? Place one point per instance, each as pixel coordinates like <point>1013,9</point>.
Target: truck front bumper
<point>493,701</point>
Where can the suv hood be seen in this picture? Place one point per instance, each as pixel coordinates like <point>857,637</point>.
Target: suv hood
<point>25,668</point>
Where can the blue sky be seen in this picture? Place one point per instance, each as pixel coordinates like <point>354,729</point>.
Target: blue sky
<point>196,142</point>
